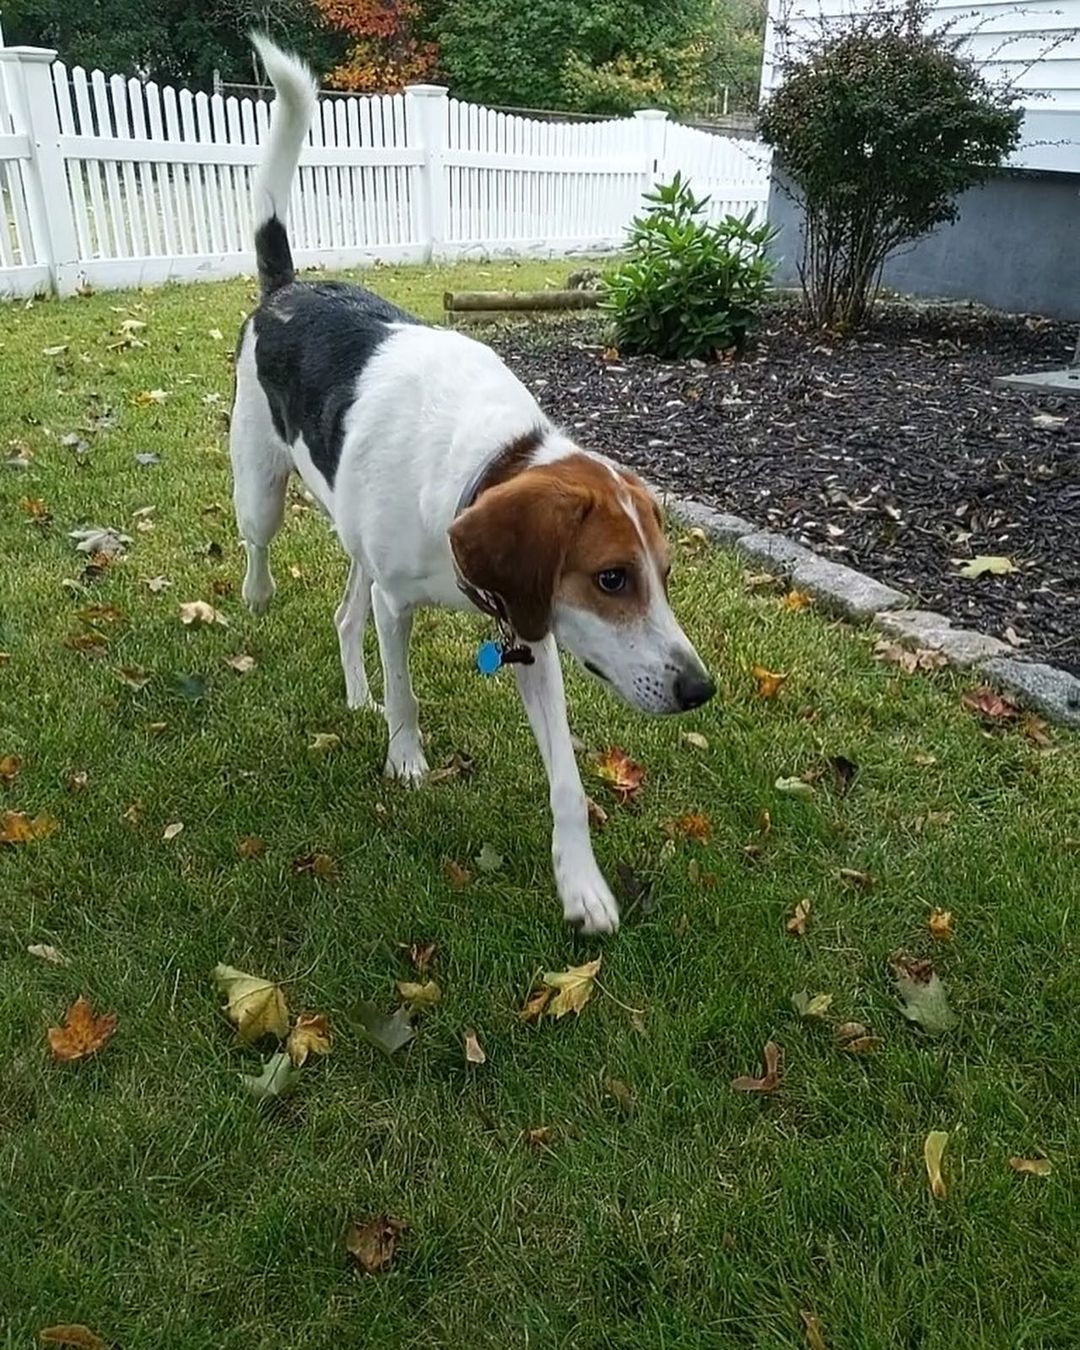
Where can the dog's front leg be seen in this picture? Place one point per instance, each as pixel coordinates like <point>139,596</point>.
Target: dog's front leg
<point>585,895</point>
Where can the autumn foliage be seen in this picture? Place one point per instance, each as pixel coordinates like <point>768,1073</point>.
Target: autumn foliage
<point>384,51</point>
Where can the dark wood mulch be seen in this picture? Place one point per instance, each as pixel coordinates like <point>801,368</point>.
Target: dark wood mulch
<point>890,451</point>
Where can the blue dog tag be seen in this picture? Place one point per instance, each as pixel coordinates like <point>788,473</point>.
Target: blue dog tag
<point>488,658</point>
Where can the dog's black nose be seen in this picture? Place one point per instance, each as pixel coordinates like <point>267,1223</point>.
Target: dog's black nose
<point>692,689</point>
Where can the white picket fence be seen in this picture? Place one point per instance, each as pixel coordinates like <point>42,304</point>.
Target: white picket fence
<point>110,182</point>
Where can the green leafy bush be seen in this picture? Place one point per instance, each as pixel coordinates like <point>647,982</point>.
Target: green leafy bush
<point>689,287</point>
<point>879,126</point>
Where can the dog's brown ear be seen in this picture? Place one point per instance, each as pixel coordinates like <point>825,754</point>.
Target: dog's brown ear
<point>514,541</point>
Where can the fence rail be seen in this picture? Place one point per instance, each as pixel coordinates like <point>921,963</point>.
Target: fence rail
<point>109,182</point>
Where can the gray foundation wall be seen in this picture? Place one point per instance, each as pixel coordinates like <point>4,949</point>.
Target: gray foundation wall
<point>1015,246</point>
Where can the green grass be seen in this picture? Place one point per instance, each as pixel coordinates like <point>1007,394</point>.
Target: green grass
<point>145,1195</point>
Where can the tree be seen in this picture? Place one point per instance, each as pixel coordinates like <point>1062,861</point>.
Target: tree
<point>384,51</point>
<point>879,127</point>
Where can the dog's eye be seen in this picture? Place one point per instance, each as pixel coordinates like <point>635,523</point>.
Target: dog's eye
<point>612,580</point>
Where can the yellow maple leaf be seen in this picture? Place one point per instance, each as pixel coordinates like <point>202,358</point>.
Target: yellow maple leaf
<point>769,682</point>
<point>575,987</point>
<point>256,1005</point>
<point>424,995</point>
<point>933,1149</point>
<point>940,923</point>
<point>310,1036</point>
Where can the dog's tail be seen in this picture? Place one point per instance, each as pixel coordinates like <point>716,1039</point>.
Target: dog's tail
<point>290,118</point>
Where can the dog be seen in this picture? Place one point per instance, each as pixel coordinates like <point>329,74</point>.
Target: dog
<point>446,485</point>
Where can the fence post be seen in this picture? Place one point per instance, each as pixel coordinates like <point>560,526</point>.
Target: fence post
<point>426,113</point>
<point>48,198</point>
<point>654,124</point>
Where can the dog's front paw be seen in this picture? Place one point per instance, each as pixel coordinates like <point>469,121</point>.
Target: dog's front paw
<point>587,900</point>
<point>407,766</point>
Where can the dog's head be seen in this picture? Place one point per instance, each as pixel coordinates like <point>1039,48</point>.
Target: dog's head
<point>576,548</point>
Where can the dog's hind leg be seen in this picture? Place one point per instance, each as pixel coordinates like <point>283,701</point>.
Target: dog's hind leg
<point>350,621</point>
<point>404,756</point>
<point>261,467</point>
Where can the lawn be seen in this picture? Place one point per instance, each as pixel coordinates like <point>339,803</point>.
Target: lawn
<point>146,1195</point>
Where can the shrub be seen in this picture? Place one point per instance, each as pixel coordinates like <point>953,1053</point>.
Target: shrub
<point>688,288</point>
<point>879,127</point>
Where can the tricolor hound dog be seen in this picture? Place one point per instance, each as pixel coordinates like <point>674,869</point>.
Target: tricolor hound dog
<point>446,485</point>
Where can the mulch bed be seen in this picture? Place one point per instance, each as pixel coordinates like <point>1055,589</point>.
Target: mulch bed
<point>890,451</point>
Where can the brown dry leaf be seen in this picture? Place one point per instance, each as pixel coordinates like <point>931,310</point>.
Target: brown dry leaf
<point>457,766</point>
<point>97,614</point>
<point>694,825</point>
<point>1032,1167</point>
<point>795,601</point>
<point>256,1006</point>
<point>536,1005</point>
<point>310,1036</point>
<point>696,739</point>
<point>196,612</point>
<point>474,1051</point>
<point>575,987</point>
<point>324,741</point>
<point>16,827</point>
<point>799,918</point>
<point>372,1244</point>
<point>82,1033</point>
<point>815,1332</point>
<point>1034,728</point>
<point>90,644</point>
<point>75,782</point>
<point>158,584</point>
<point>44,952</point>
<point>156,727</point>
<point>768,682</point>
<point>756,581</point>
<point>133,815</point>
<point>458,876</point>
<point>9,768</point>
<point>321,865</point>
<point>597,816</point>
<point>771,1081</point>
<point>862,1045</point>
<point>540,1136</point>
<point>923,760</point>
<point>940,923</point>
<point>172,830</point>
<point>421,954</point>
<point>933,1150</point>
<point>241,664</point>
<point>989,704</point>
<point>854,877</point>
<point>416,995</point>
<point>618,770</point>
<point>620,1094</point>
<point>910,660</point>
<point>36,509</point>
<point>251,846</point>
<point>146,398</point>
<point>72,1334</point>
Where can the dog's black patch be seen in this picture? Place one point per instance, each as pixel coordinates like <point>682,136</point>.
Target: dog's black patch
<point>273,256</point>
<point>312,342</point>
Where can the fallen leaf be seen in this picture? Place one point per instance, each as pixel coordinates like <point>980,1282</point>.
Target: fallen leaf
<point>696,739</point>
<point>575,987</point>
<point>146,398</point>
<point>771,1081</point>
<point>16,827</point>
<point>324,742</point>
<point>424,995</point>
<point>133,676</point>
<point>54,351</point>
<point>191,688</point>
<point>457,766</point>
<point>809,1007</point>
<point>794,787</point>
<point>215,334</point>
<point>82,1033</point>
<point>100,540</point>
<point>620,772</point>
<point>9,768</point>
<point>171,831</point>
<point>815,1332</point>
<point>1048,421</point>
<point>795,601</point>
<point>856,878</point>
<point>539,1137</point>
<point>133,814</point>
<point>620,1093</point>
<point>241,664</point>
<point>799,918</point>
<point>36,509</point>
<point>72,1334</point>
<point>91,644</point>
<point>488,860</point>
<point>756,581</point>
<point>372,1244</point>
<point>279,1078</point>
<point>596,814</point>
<point>158,584</point>
<point>860,1045</point>
<point>923,760</point>
<point>251,846</point>
<point>46,953</point>
<point>1032,1167</point>
<point>196,612</point>
<point>694,825</point>
<point>933,1150</point>
<point>474,1051</point>
<point>910,660</point>
<point>385,1033</point>
<point>458,876</point>
<point>536,1005</point>
<point>256,1006</point>
<point>321,865</point>
<point>922,993</point>
<point>421,954</point>
<point>77,781</point>
<point>1034,728</point>
<point>984,565</point>
<point>989,704</point>
<point>768,682</point>
<point>847,1031</point>
<point>156,727</point>
<point>310,1036</point>
<point>940,923</point>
